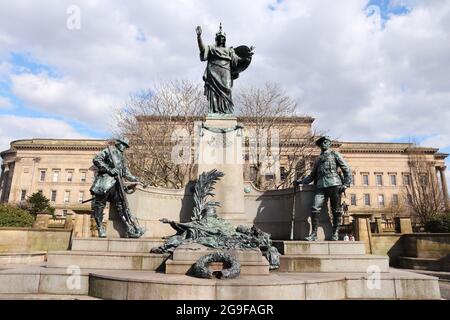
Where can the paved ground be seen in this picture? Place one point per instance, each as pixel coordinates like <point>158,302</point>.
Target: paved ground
<point>444,280</point>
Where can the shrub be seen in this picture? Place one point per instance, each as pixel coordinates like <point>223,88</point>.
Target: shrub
<point>439,223</point>
<point>11,216</point>
<point>38,203</point>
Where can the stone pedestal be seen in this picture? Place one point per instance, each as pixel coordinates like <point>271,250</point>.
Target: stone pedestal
<point>403,225</point>
<point>82,226</point>
<point>42,220</point>
<point>223,151</point>
<point>69,224</point>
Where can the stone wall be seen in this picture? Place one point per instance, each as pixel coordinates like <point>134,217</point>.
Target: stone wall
<point>427,245</point>
<point>269,210</point>
<point>420,245</point>
<point>28,240</point>
<point>388,244</point>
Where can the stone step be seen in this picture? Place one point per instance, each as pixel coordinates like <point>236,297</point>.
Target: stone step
<point>131,285</point>
<point>320,247</point>
<point>40,296</point>
<point>41,280</point>
<point>106,260</point>
<point>22,257</point>
<point>116,245</point>
<point>334,263</point>
<point>247,267</point>
<point>431,264</point>
<point>193,252</point>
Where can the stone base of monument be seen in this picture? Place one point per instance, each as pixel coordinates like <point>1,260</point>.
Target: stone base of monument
<point>328,256</point>
<point>116,244</point>
<point>129,285</point>
<point>185,256</point>
<point>124,269</point>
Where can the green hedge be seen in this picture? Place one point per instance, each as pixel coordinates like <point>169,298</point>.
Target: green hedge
<point>11,216</point>
<point>439,224</point>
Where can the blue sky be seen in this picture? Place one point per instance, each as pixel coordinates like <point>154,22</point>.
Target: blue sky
<point>388,81</point>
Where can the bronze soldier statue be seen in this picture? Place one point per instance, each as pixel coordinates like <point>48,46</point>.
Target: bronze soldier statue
<point>329,185</point>
<point>108,186</point>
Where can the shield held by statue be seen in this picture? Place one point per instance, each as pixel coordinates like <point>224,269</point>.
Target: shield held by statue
<point>245,53</point>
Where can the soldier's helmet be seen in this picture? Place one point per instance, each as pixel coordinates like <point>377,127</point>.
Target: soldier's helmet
<point>221,33</point>
<point>124,140</point>
<point>321,139</point>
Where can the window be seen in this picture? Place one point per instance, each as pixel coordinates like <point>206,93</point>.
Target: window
<point>379,179</point>
<point>381,200</point>
<point>253,173</point>
<point>269,177</point>
<point>69,175</point>
<point>423,179</point>
<point>53,196</point>
<point>83,175</point>
<point>64,213</point>
<point>55,176</point>
<point>409,199</point>
<point>81,197</point>
<point>66,196</point>
<point>42,175</point>
<point>282,173</point>
<point>353,199</point>
<point>367,199</point>
<point>393,179</point>
<point>365,179</point>
<point>406,179</point>
<point>395,199</point>
<point>353,179</point>
<point>23,195</point>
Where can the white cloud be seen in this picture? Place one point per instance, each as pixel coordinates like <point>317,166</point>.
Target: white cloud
<point>360,84</point>
<point>64,97</point>
<point>16,127</point>
<point>5,103</point>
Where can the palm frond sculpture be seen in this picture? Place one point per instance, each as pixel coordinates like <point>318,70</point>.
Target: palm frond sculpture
<point>203,188</point>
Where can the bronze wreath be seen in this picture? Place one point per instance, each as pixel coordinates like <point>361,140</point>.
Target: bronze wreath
<point>231,270</point>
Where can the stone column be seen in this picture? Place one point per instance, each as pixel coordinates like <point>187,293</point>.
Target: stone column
<point>223,151</point>
<point>379,222</point>
<point>361,227</point>
<point>444,187</point>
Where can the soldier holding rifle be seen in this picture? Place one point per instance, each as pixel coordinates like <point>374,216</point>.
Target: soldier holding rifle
<point>108,186</point>
<point>330,184</point>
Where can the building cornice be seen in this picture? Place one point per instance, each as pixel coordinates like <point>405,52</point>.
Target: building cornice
<point>281,120</point>
<point>56,144</point>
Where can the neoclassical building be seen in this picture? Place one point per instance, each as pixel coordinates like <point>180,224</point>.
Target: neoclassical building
<point>62,169</point>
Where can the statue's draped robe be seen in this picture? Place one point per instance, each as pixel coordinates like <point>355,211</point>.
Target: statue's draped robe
<point>218,79</point>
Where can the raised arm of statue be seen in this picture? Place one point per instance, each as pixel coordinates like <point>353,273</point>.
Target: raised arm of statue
<point>201,46</point>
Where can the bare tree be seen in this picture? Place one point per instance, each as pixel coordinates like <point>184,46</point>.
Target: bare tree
<point>274,136</point>
<point>157,120</point>
<point>423,194</point>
